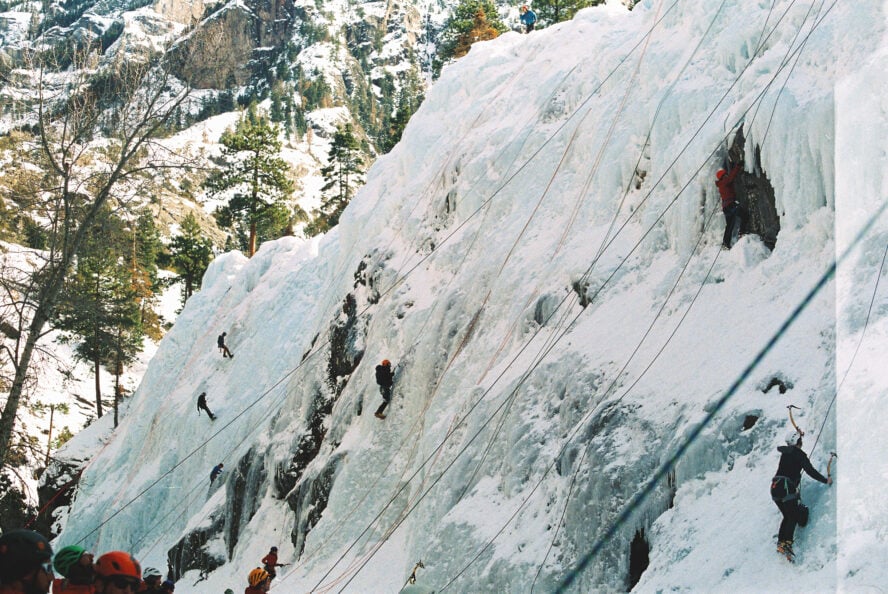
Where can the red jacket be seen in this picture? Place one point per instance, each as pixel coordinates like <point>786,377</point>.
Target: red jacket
<point>270,560</point>
<point>725,187</point>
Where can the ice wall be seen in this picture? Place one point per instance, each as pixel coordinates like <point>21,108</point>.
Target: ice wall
<point>540,258</point>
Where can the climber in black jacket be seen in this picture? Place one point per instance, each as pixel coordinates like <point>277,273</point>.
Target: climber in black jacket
<point>785,488</point>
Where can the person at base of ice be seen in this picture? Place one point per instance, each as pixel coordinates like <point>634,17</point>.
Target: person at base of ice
<point>202,405</point>
<point>151,578</point>
<point>270,561</point>
<point>118,572</point>
<point>528,18</point>
<point>75,565</point>
<point>259,581</point>
<point>217,470</point>
<point>228,591</point>
<point>25,566</point>
<point>385,378</point>
<point>220,342</point>
<point>785,488</point>
<point>735,214</point>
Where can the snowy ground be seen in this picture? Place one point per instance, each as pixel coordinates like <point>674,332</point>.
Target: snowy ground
<point>518,411</point>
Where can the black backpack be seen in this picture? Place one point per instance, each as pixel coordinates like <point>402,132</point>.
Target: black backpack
<point>383,375</point>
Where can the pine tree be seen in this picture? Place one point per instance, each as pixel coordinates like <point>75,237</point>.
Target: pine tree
<point>258,178</point>
<point>191,253</point>
<point>556,11</point>
<point>470,21</point>
<point>100,312</point>
<point>343,175</point>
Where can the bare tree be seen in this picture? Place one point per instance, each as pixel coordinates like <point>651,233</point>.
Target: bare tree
<point>95,141</point>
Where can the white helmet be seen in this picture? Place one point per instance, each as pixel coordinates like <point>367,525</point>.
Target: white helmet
<point>793,438</point>
<point>151,572</point>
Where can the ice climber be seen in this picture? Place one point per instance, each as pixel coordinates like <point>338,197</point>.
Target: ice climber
<point>385,378</point>
<point>735,214</point>
<point>118,572</point>
<point>167,586</point>
<point>75,565</point>
<point>785,489</point>
<point>220,342</point>
<point>151,577</point>
<point>270,561</point>
<point>25,566</point>
<point>259,581</point>
<point>217,470</point>
<point>202,405</point>
<point>528,18</point>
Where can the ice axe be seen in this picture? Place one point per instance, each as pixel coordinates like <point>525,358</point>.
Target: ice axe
<point>832,455</point>
<point>792,420</point>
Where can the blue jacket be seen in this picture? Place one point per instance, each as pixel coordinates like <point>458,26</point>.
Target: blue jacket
<point>529,17</point>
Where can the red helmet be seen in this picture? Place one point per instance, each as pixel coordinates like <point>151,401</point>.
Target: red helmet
<point>118,563</point>
<point>720,173</point>
<point>386,362</point>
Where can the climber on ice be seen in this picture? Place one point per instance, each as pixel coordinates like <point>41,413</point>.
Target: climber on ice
<point>385,378</point>
<point>220,342</point>
<point>270,562</point>
<point>217,470</point>
<point>202,405</point>
<point>785,489</point>
<point>735,214</point>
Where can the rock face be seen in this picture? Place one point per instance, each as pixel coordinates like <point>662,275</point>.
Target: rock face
<point>756,194</point>
<point>223,51</point>
<point>185,12</point>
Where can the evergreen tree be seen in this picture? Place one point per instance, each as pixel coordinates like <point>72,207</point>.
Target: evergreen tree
<point>257,177</point>
<point>556,11</point>
<point>191,253</point>
<point>343,175</point>
<point>469,22</point>
<point>100,311</point>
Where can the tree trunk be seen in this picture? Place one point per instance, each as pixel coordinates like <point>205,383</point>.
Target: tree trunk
<point>7,421</point>
<point>96,369</point>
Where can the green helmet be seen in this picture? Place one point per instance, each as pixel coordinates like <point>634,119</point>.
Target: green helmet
<point>67,558</point>
<point>22,551</point>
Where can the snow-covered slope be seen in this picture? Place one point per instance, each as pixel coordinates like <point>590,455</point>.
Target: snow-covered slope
<point>540,257</point>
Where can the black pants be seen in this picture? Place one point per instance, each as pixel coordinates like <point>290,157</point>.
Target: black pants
<point>209,412</point>
<point>528,27</point>
<point>790,511</point>
<point>386,392</point>
<point>735,220</point>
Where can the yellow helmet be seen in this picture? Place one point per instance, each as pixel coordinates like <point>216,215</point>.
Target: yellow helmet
<point>257,576</point>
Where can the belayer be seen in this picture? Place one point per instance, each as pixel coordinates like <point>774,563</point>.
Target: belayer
<point>785,490</point>
<point>75,565</point>
<point>25,565</point>
<point>385,378</point>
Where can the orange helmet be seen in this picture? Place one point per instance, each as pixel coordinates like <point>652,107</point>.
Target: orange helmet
<point>720,173</point>
<point>118,563</point>
<point>257,576</point>
<point>386,362</point>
